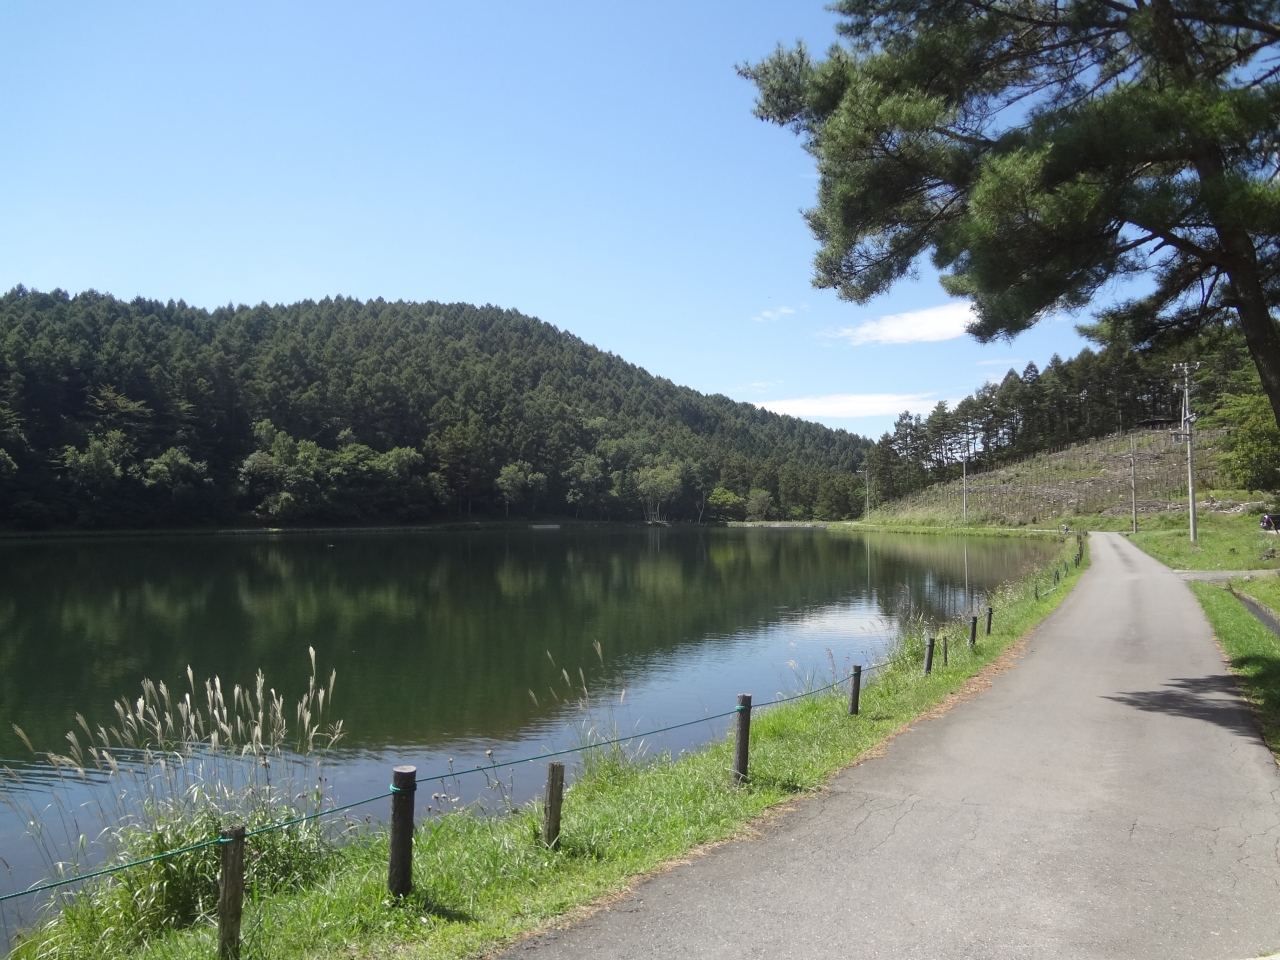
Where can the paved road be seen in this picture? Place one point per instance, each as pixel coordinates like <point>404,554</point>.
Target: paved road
<point>1109,797</point>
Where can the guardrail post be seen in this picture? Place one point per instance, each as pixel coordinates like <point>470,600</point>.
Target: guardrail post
<point>742,739</point>
<point>928,656</point>
<point>989,612</point>
<point>552,804</point>
<point>1055,576</point>
<point>231,893</point>
<point>973,632</point>
<point>945,659</point>
<point>855,689</point>
<point>400,861</point>
<point>1037,593</point>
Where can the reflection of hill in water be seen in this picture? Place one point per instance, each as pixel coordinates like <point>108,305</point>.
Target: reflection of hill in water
<point>927,573</point>
<point>435,634</point>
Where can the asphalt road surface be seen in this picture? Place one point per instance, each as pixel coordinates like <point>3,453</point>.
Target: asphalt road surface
<point>1108,797</point>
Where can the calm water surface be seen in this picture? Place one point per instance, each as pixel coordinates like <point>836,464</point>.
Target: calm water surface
<point>448,644</point>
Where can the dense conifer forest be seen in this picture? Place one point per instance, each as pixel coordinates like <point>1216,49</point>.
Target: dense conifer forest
<point>135,414</point>
<point>147,414</point>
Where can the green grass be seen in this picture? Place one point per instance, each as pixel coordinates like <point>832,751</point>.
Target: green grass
<point>934,525</point>
<point>1225,541</point>
<point>1252,650</point>
<point>480,882</point>
<point>1266,590</point>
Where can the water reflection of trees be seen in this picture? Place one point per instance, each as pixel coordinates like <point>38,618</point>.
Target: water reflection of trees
<point>937,576</point>
<point>432,635</point>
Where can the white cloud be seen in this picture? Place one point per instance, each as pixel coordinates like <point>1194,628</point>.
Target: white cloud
<point>766,384</point>
<point>917,326</point>
<point>852,405</point>
<point>773,314</point>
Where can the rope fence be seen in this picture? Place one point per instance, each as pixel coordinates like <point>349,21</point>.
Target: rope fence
<point>403,787</point>
<point>426,779</point>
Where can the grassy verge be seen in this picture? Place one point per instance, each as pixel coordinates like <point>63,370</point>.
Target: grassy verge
<point>1252,650</point>
<point>1225,541</point>
<point>1266,590</point>
<point>482,882</point>
<point>939,527</point>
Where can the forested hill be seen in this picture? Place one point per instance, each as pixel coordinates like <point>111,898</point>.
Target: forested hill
<point>116,414</point>
<point>1085,397</point>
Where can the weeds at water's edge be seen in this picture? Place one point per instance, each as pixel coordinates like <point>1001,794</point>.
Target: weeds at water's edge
<point>481,882</point>
<point>168,775</point>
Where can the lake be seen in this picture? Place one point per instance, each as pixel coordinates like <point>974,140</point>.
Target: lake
<point>451,643</point>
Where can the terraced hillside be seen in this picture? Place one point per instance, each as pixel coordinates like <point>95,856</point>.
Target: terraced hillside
<point>1084,479</point>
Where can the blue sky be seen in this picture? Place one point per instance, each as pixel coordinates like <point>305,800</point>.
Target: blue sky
<point>595,165</point>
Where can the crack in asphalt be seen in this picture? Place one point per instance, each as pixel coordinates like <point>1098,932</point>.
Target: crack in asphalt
<point>893,829</point>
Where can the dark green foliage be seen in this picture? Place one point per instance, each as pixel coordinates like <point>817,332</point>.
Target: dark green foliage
<point>1253,443</point>
<point>1038,150</point>
<point>141,414</point>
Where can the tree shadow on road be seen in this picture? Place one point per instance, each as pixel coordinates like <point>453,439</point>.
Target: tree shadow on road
<point>1213,699</point>
<point>1260,676</point>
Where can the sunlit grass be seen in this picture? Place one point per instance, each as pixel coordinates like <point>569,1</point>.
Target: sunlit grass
<point>1265,589</point>
<point>1224,541</point>
<point>1252,650</point>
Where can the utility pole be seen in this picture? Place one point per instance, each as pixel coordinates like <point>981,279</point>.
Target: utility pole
<point>1187,434</point>
<point>866,485</point>
<point>964,509</point>
<point>1133,481</point>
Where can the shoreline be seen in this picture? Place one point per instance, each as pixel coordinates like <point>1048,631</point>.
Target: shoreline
<point>685,803</point>
<point>549,524</point>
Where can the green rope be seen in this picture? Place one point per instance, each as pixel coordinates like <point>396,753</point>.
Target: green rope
<point>648,733</point>
<point>106,870</point>
<point>589,746</point>
<point>394,790</point>
<point>187,849</point>
<point>319,813</point>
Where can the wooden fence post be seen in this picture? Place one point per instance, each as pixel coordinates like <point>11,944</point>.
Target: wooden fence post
<point>742,739</point>
<point>231,893</point>
<point>855,689</point>
<point>989,612</point>
<point>400,862</point>
<point>928,656</point>
<point>552,804</point>
<point>973,632</point>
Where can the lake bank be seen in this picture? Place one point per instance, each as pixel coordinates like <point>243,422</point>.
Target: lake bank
<point>484,882</point>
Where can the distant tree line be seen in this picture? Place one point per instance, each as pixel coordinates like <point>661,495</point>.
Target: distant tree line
<point>135,414</point>
<point>1095,393</point>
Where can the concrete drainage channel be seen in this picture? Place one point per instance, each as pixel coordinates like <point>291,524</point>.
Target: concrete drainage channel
<point>1263,615</point>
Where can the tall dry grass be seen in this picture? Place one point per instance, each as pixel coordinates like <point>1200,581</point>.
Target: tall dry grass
<point>169,774</point>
